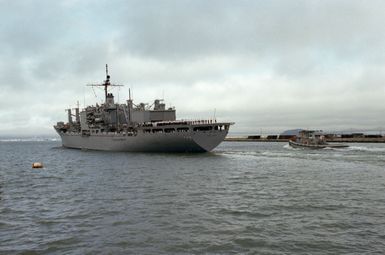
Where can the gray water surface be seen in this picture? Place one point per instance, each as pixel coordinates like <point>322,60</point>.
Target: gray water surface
<point>243,198</point>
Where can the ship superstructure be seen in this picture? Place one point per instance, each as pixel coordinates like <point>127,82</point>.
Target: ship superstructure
<point>143,128</point>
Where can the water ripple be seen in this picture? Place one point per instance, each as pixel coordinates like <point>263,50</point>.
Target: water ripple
<point>244,198</point>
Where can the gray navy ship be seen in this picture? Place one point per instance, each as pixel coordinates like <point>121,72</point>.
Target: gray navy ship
<point>137,128</point>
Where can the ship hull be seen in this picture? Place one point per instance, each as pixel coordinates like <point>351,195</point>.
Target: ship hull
<point>172,142</point>
<point>316,146</point>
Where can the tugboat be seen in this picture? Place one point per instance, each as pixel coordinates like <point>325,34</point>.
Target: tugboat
<point>312,139</point>
<point>137,127</point>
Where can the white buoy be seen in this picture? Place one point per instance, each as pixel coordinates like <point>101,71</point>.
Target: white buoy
<point>37,165</point>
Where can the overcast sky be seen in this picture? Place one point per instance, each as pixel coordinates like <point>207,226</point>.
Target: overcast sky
<point>266,65</point>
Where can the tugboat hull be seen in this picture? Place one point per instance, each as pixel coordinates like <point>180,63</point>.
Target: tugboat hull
<point>316,146</point>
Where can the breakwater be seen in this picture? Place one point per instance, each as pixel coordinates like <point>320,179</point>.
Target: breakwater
<point>337,139</point>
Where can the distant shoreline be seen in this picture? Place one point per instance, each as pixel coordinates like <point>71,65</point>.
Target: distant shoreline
<point>334,139</point>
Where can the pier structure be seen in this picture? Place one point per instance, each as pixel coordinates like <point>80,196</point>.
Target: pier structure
<point>339,138</point>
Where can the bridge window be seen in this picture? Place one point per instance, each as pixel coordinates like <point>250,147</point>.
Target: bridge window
<point>203,128</point>
<point>183,129</point>
<point>169,130</point>
<point>157,130</point>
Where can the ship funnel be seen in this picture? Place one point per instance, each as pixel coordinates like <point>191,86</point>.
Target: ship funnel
<point>77,115</point>
<point>69,116</point>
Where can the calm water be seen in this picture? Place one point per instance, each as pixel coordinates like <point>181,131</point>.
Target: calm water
<point>251,198</point>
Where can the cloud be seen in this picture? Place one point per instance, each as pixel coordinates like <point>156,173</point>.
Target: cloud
<point>170,29</point>
<point>272,64</point>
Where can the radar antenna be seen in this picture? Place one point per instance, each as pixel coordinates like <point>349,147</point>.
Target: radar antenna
<point>105,84</point>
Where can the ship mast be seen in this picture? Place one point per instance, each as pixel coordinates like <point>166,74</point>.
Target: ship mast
<point>105,84</point>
